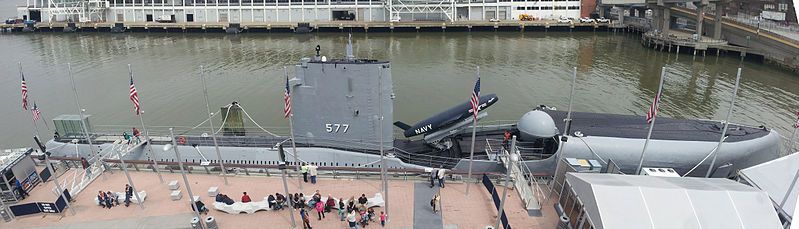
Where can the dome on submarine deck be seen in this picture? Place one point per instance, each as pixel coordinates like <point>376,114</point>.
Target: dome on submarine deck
<point>536,124</point>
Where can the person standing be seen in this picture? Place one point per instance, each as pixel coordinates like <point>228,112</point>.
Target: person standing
<point>21,190</point>
<point>85,164</point>
<point>441,178</point>
<point>306,224</point>
<point>312,169</point>
<point>128,194</point>
<point>304,170</point>
<point>351,220</point>
<point>320,209</point>
<point>433,203</point>
<point>136,134</point>
<point>433,176</point>
<point>126,136</point>
<point>382,219</point>
<point>342,211</point>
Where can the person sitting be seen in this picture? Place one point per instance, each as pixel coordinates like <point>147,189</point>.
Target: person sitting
<point>302,200</point>
<point>362,200</point>
<point>107,199</point>
<point>224,199</point>
<point>101,199</point>
<point>271,200</point>
<point>201,206</point>
<point>279,200</point>
<point>113,198</point>
<point>330,204</point>
<point>245,198</point>
<point>371,214</point>
<point>351,204</point>
<point>296,201</point>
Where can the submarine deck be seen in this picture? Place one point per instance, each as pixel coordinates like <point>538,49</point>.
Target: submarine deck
<point>631,126</point>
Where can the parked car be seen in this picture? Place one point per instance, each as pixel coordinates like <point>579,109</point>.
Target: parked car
<point>493,20</point>
<point>12,21</point>
<point>587,20</point>
<point>564,20</point>
<point>603,20</point>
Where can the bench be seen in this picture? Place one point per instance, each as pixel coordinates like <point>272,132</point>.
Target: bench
<point>239,207</point>
<point>176,195</point>
<point>121,198</point>
<point>174,185</point>
<point>213,191</point>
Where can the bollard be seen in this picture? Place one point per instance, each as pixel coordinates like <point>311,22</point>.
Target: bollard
<point>195,223</point>
<point>210,222</point>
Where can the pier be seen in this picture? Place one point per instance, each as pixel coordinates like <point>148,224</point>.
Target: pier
<point>331,26</point>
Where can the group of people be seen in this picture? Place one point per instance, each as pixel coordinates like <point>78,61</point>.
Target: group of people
<point>110,199</point>
<point>311,170</point>
<point>349,212</point>
<point>437,174</point>
<point>129,137</point>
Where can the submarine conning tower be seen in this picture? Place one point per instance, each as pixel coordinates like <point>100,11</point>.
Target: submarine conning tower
<point>338,102</point>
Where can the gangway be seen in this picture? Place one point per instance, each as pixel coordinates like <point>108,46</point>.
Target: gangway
<point>81,179</point>
<point>529,191</point>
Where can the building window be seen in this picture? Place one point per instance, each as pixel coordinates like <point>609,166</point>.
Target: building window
<point>533,8</point>
<point>574,7</point>
<point>560,8</point>
<point>520,8</point>
<point>546,8</point>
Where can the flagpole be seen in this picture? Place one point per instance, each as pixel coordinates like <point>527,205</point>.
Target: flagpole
<point>211,125</point>
<point>293,142</point>
<point>147,135</point>
<point>568,121</point>
<point>471,150</point>
<point>656,104</point>
<point>80,110</point>
<point>35,127</point>
<point>726,124</point>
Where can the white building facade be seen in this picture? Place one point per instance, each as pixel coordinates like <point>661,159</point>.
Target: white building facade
<point>265,11</point>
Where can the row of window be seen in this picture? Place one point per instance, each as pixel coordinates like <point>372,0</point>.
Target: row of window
<point>548,8</point>
<point>289,163</point>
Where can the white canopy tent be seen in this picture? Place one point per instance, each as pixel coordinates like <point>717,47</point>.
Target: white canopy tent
<point>612,201</point>
<point>778,178</point>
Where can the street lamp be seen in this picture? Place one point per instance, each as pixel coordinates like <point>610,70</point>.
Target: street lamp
<point>172,146</point>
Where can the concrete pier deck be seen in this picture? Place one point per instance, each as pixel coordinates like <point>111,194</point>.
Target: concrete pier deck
<point>460,211</point>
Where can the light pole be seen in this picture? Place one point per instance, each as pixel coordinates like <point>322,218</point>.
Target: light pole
<point>726,124</point>
<point>57,184</point>
<point>135,191</point>
<point>174,146</point>
<point>211,125</point>
<point>282,167</point>
<point>383,168</point>
<point>80,111</point>
<point>512,158</point>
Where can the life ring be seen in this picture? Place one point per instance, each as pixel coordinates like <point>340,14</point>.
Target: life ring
<point>181,140</point>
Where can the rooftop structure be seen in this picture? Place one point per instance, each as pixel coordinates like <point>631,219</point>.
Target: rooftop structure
<point>624,201</point>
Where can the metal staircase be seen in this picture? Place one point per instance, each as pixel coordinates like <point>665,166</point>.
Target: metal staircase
<point>81,179</point>
<point>529,190</point>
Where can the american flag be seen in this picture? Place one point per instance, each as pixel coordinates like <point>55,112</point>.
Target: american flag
<point>134,96</point>
<point>24,94</point>
<point>36,113</point>
<point>653,110</point>
<point>476,98</point>
<point>287,100</point>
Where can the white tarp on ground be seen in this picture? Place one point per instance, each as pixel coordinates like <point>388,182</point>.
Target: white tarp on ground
<point>777,178</point>
<point>626,201</point>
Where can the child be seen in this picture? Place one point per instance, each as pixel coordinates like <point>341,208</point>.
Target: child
<point>371,214</point>
<point>364,219</point>
<point>382,219</point>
